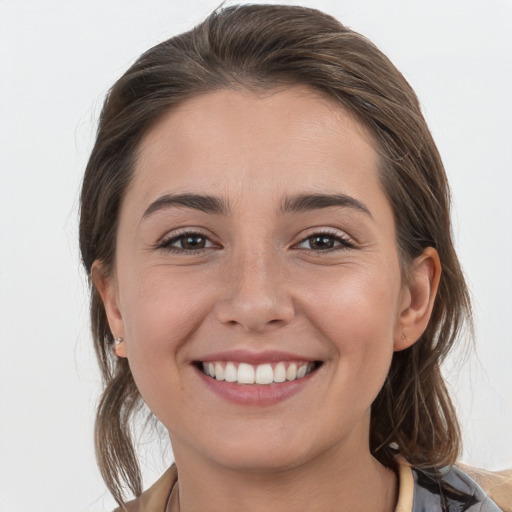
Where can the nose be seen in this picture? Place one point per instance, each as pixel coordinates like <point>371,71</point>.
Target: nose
<point>256,296</point>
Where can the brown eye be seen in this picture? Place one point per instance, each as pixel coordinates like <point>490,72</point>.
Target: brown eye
<point>321,242</point>
<point>192,242</point>
<point>325,242</point>
<point>187,243</point>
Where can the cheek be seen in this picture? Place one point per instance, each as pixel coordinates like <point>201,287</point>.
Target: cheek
<point>161,312</point>
<point>356,311</point>
<point>159,307</point>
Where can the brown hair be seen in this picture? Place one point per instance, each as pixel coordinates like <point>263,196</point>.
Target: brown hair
<point>261,47</point>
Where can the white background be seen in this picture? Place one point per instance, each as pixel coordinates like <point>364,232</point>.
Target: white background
<point>57,60</point>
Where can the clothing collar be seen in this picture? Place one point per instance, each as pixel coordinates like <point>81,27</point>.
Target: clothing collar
<point>155,498</point>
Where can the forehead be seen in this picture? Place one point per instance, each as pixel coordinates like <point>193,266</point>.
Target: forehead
<point>297,135</point>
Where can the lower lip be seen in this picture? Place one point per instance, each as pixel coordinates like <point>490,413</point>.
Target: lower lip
<point>255,394</point>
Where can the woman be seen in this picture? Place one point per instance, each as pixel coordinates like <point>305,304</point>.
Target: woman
<point>265,220</point>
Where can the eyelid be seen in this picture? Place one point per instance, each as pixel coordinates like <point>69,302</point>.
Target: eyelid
<point>346,241</point>
<point>165,241</point>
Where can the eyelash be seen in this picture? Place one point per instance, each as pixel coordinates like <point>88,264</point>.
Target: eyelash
<point>166,243</point>
<point>343,240</point>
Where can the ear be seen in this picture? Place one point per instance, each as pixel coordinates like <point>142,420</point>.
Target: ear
<point>105,284</point>
<point>418,296</point>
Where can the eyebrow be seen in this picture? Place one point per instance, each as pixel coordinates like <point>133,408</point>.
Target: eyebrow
<point>204,203</point>
<point>217,205</point>
<point>308,202</point>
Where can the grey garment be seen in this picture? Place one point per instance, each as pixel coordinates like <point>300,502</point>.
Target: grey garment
<point>451,491</point>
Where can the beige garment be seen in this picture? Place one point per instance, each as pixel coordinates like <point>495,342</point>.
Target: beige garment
<point>497,485</point>
<point>155,498</point>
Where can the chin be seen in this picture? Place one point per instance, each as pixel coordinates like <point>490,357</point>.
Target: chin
<point>261,450</point>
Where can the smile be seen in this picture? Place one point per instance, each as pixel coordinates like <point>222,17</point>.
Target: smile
<point>262,374</point>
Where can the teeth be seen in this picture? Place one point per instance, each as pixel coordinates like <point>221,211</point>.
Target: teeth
<point>291,373</point>
<point>219,371</point>
<point>301,372</point>
<point>280,372</point>
<point>264,374</point>
<point>245,374</point>
<point>259,374</point>
<point>230,373</point>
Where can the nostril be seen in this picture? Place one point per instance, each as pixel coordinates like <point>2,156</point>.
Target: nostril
<point>254,313</point>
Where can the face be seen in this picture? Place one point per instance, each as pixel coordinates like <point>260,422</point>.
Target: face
<point>257,282</point>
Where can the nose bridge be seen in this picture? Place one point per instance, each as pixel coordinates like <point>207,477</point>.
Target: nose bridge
<point>255,273</point>
<point>257,296</point>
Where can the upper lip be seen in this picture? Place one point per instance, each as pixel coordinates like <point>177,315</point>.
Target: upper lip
<point>255,358</point>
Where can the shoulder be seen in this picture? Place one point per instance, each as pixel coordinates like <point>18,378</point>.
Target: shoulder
<point>496,484</point>
<point>451,490</point>
<point>155,498</point>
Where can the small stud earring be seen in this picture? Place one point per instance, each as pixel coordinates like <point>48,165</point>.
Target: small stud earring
<point>117,345</point>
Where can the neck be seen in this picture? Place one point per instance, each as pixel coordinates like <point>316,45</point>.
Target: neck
<point>331,481</point>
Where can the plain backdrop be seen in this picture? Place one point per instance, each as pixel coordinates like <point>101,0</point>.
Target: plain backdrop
<point>58,59</point>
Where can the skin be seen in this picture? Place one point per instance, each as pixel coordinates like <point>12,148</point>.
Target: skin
<point>261,283</point>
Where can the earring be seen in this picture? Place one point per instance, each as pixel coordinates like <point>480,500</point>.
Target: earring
<point>117,345</point>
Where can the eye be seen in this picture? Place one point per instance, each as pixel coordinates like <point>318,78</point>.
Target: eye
<point>187,242</point>
<point>326,241</point>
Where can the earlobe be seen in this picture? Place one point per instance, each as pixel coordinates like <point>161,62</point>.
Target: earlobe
<point>418,298</point>
<point>119,347</point>
<point>104,283</point>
